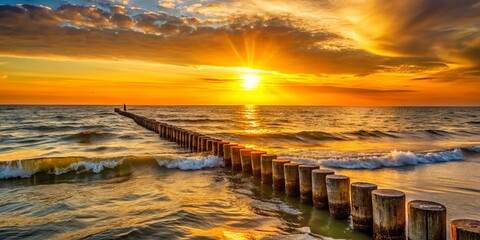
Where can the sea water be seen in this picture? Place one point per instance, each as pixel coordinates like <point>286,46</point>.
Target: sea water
<point>84,172</point>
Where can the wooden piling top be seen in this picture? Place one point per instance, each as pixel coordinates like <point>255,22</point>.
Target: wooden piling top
<point>364,185</point>
<point>308,166</point>
<point>325,171</point>
<point>292,164</point>
<point>339,177</point>
<point>237,147</point>
<point>427,205</point>
<point>246,150</point>
<point>467,225</point>
<point>256,152</point>
<point>385,192</point>
<point>278,160</point>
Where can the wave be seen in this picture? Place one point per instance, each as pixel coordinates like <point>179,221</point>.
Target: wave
<point>303,136</point>
<point>56,166</point>
<point>472,149</point>
<point>89,136</point>
<point>392,159</point>
<point>79,165</point>
<point>373,134</point>
<point>192,163</point>
<point>360,135</point>
<point>437,132</point>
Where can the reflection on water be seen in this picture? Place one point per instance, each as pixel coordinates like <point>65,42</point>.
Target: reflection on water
<point>85,172</point>
<point>250,116</point>
<point>154,203</point>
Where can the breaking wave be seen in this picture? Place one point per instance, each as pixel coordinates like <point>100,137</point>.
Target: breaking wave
<point>192,163</point>
<point>63,165</point>
<point>392,159</point>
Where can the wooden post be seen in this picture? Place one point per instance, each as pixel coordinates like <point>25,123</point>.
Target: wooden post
<point>236,161</point>
<point>220,148</point>
<point>190,141</point>
<point>319,188</point>
<point>246,159</point>
<point>426,220</point>
<point>227,154</point>
<point>292,181</point>
<point>215,146</point>
<point>203,146</point>
<point>266,167</point>
<point>465,229</point>
<point>305,175</point>
<point>362,212</point>
<point>338,191</point>
<point>210,145</point>
<point>256,163</point>
<point>195,143</point>
<point>278,176</point>
<point>388,214</point>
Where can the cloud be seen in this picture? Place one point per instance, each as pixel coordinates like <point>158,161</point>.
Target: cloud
<point>443,29</point>
<point>167,3</point>
<point>279,43</point>
<point>344,90</point>
<point>3,77</point>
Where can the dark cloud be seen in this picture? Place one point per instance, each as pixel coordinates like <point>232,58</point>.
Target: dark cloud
<point>269,43</point>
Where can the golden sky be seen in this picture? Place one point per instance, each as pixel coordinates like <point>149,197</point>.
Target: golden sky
<point>305,52</point>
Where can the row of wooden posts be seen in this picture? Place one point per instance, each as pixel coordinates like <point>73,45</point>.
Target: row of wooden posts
<point>380,212</point>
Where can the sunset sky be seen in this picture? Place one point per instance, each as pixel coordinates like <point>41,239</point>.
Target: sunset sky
<point>304,52</point>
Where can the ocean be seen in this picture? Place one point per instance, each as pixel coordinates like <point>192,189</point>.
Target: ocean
<point>85,172</point>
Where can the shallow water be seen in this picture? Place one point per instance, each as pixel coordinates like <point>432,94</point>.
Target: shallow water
<point>86,172</point>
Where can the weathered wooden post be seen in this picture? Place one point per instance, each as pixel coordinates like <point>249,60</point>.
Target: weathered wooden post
<point>278,176</point>
<point>305,174</point>
<point>195,143</point>
<point>246,159</point>
<point>319,188</point>
<point>227,154</point>
<point>210,145</point>
<point>203,146</point>
<point>256,163</point>
<point>388,214</point>
<point>220,148</point>
<point>190,141</point>
<point>465,229</point>
<point>362,212</point>
<point>292,180</point>
<point>426,220</point>
<point>215,147</point>
<point>236,160</point>
<point>266,167</point>
<point>338,192</point>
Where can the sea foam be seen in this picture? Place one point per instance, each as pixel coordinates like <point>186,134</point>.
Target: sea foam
<point>86,166</point>
<point>392,159</point>
<point>192,163</point>
<point>27,168</point>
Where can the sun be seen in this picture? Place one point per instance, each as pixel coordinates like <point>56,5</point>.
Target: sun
<point>250,81</point>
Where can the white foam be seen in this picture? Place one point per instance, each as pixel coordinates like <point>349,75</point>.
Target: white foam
<point>393,159</point>
<point>85,166</point>
<point>192,163</point>
<point>19,169</point>
<point>9,171</point>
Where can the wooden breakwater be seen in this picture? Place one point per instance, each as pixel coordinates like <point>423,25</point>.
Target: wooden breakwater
<point>379,212</point>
